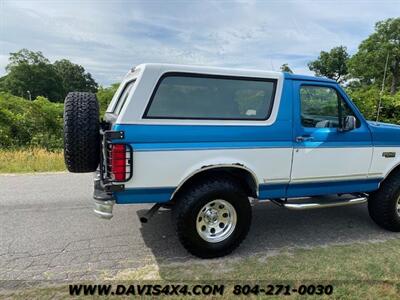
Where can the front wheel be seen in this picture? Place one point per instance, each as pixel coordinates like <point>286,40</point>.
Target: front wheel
<point>212,217</point>
<point>384,204</point>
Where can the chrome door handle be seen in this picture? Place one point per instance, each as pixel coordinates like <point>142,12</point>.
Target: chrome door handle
<point>304,138</point>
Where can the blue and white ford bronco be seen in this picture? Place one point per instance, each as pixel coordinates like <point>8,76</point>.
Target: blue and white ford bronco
<point>207,142</point>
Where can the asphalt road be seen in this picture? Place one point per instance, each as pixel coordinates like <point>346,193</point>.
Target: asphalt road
<point>48,231</point>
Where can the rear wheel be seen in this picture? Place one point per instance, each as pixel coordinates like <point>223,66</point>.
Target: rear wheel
<point>212,217</point>
<point>384,204</point>
<point>81,132</point>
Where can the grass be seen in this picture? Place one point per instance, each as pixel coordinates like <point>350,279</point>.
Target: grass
<point>368,271</point>
<point>31,160</point>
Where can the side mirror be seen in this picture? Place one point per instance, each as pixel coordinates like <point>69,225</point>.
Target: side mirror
<point>349,123</point>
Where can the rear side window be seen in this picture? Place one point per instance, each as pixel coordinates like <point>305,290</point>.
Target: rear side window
<point>122,98</point>
<point>189,96</point>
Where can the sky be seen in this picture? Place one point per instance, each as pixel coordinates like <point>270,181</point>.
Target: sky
<point>109,37</point>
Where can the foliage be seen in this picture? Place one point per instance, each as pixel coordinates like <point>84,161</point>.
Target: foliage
<point>31,71</point>
<point>286,68</point>
<point>74,78</point>
<point>24,56</point>
<point>366,98</point>
<point>30,123</point>
<point>104,96</point>
<point>332,64</point>
<point>37,123</point>
<point>368,63</point>
<point>390,109</point>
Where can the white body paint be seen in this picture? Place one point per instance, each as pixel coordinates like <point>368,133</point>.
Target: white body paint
<point>170,168</point>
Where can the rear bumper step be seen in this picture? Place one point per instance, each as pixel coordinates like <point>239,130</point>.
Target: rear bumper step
<point>103,201</point>
<point>315,205</point>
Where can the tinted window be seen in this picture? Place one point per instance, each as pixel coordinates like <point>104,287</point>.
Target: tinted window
<point>122,98</point>
<point>322,107</point>
<point>216,97</point>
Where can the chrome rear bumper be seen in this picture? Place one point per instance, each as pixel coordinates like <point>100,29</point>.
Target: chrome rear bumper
<point>104,209</point>
<point>103,200</point>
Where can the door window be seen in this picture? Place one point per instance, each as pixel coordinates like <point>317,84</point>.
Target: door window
<point>323,107</point>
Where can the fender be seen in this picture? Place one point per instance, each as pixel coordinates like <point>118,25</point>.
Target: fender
<point>206,167</point>
<point>383,166</point>
<point>390,171</point>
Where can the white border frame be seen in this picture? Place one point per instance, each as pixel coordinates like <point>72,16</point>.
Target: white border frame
<point>147,76</point>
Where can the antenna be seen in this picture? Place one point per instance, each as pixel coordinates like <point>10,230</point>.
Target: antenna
<point>272,65</point>
<point>382,89</point>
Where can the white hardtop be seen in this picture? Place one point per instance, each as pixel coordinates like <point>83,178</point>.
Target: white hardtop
<point>147,75</point>
<point>163,68</point>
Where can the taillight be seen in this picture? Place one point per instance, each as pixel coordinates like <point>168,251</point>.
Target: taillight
<point>120,162</point>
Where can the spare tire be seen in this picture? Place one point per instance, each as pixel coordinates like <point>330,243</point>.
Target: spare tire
<point>81,132</point>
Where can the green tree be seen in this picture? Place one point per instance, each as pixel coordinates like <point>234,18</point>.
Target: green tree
<point>286,68</point>
<point>74,78</point>
<point>24,56</point>
<point>368,63</point>
<point>366,98</point>
<point>2,80</point>
<point>332,64</point>
<point>105,95</point>
<point>31,71</point>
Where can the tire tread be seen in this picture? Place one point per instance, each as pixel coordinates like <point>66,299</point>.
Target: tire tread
<point>382,203</point>
<point>185,204</point>
<point>81,132</point>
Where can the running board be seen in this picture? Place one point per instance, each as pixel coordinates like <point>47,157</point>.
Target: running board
<point>314,205</point>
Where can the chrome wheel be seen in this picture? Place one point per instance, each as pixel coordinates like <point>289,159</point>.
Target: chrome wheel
<point>398,206</point>
<point>216,221</point>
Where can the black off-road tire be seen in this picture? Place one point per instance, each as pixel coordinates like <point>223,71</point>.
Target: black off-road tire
<point>190,201</point>
<point>382,204</point>
<point>81,132</point>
